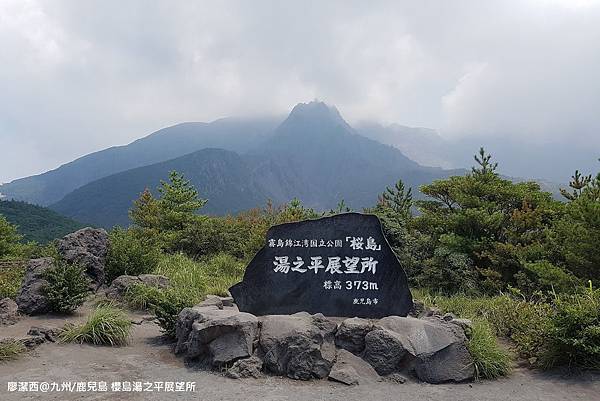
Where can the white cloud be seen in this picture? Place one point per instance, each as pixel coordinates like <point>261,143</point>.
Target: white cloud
<point>79,76</point>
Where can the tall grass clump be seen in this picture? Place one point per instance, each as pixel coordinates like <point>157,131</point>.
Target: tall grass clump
<point>107,325</point>
<point>11,349</point>
<point>142,297</point>
<point>490,360</point>
<point>185,275</point>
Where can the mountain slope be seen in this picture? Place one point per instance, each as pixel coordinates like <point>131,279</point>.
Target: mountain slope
<point>36,223</point>
<point>222,177</point>
<point>165,144</point>
<point>313,155</point>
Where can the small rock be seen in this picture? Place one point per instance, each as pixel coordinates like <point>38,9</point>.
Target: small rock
<point>350,369</point>
<point>47,333</point>
<point>212,300</point>
<point>395,378</point>
<point>384,351</point>
<point>119,287</point>
<point>244,368</point>
<point>8,312</point>
<point>299,346</point>
<point>433,311</point>
<point>351,334</point>
<point>32,342</point>
<point>227,301</point>
<point>418,309</point>
<point>448,317</point>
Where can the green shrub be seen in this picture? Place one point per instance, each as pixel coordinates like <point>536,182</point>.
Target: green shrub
<point>11,349</point>
<point>574,338</point>
<point>67,287</point>
<point>167,307</point>
<point>107,325</point>
<point>490,360</point>
<point>130,253</point>
<point>10,281</point>
<point>221,272</point>
<point>141,296</point>
<point>527,324</point>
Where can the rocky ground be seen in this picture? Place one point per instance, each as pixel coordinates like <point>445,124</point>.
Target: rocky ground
<point>149,358</point>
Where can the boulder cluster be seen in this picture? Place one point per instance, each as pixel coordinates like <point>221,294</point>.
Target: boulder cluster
<point>303,346</point>
<point>87,247</point>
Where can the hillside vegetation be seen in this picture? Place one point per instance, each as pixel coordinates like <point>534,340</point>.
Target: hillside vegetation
<point>36,223</point>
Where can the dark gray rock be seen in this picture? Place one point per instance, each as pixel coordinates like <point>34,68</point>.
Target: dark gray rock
<point>350,369</point>
<point>227,301</point>
<point>438,348</point>
<point>351,334</point>
<point>119,287</point>
<point>220,336</point>
<point>245,368</point>
<point>300,346</point>
<point>395,378</point>
<point>278,279</point>
<point>31,298</point>
<point>48,333</point>
<point>212,300</point>
<point>384,350</point>
<point>88,248</point>
<point>8,312</point>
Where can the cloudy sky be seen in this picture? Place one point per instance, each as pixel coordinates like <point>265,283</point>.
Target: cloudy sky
<point>78,76</point>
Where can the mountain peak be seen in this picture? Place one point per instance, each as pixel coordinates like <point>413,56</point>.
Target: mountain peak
<point>317,111</point>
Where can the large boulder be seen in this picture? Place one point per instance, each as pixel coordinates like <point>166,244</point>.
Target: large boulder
<point>8,312</point>
<point>350,369</point>
<point>351,334</point>
<point>31,299</point>
<point>384,350</point>
<point>220,336</point>
<point>119,287</point>
<point>299,346</point>
<point>438,348</point>
<point>88,248</point>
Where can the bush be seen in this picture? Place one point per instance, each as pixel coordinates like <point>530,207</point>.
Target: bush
<point>107,325</point>
<point>574,339</point>
<point>490,360</point>
<point>10,281</point>
<point>166,308</point>
<point>67,287</point>
<point>11,349</point>
<point>130,253</point>
<point>185,274</point>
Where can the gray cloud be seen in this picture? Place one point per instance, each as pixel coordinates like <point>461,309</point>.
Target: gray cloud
<point>78,76</point>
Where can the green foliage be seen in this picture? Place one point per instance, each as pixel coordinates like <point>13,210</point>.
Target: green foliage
<point>167,307</point>
<point>167,217</point>
<point>36,223</point>
<point>107,325</point>
<point>574,339</point>
<point>490,359</point>
<point>141,296</point>
<point>11,349</point>
<point>11,279</point>
<point>10,245</point>
<point>496,228</point>
<point>130,253</point>
<point>67,287</point>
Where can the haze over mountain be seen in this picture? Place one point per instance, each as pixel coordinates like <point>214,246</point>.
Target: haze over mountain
<point>235,134</point>
<point>313,155</point>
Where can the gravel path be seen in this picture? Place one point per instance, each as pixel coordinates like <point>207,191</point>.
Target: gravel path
<point>146,359</point>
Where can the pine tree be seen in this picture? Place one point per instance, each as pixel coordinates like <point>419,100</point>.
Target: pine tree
<point>578,183</point>
<point>486,167</point>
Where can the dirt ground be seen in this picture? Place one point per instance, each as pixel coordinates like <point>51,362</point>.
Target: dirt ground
<point>149,359</point>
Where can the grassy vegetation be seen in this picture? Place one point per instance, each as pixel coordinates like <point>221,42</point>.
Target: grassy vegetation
<point>10,281</point>
<point>107,325</point>
<point>10,350</point>
<point>490,359</point>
